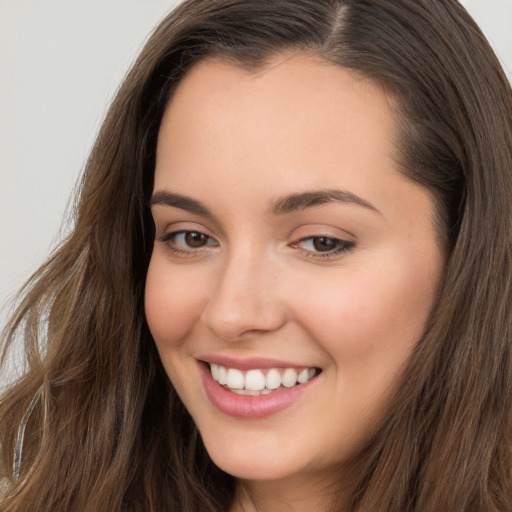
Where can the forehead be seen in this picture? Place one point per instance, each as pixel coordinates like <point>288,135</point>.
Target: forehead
<point>294,101</point>
<point>288,79</point>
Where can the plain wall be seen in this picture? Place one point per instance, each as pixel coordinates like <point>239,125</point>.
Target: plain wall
<point>60,64</point>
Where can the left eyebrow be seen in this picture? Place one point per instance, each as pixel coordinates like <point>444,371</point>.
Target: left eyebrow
<point>309,199</point>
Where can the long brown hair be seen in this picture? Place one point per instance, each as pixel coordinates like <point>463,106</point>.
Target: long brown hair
<point>108,432</point>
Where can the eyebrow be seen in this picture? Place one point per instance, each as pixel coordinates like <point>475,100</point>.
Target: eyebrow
<point>304,200</point>
<point>280,206</point>
<point>163,197</point>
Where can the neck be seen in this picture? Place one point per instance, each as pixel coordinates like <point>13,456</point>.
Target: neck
<point>299,494</point>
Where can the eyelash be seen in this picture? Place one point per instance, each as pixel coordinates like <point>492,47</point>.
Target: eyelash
<point>340,246</point>
<point>170,240</point>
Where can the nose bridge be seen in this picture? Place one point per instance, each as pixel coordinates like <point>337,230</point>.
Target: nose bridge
<point>244,298</point>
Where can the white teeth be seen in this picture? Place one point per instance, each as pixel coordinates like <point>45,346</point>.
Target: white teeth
<point>289,378</point>
<point>273,379</point>
<point>235,379</point>
<point>223,375</point>
<point>255,382</point>
<point>303,376</point>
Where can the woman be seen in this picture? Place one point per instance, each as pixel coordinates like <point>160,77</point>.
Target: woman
<point>288,283</point>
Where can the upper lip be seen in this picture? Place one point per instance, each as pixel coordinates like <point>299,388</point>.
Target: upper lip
<point>251,363</point>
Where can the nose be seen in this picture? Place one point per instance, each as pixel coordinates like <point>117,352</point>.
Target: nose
<point>245,300</point>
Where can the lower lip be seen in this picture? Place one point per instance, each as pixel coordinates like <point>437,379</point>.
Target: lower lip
<point>245,406</point>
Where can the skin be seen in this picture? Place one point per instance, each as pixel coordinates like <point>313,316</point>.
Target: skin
<point>237,141</point>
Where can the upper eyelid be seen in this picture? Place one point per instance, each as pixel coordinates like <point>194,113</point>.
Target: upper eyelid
<point>318,228</point>
<point>323,232</point>
<point>350,243</point>
<point>332,237</point>
<point>173,233</point>
<point>327,229</point>
<point>167,228</point>
<point>165,221</point>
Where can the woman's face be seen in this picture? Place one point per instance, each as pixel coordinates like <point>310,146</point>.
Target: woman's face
<point>292,261</point>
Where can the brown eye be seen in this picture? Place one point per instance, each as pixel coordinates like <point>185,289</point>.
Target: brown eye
<point>181,242</point>
<point>325,244</point>
<point>196,240</point>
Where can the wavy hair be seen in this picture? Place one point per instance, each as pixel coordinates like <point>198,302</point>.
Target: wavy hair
<point>106,431</point>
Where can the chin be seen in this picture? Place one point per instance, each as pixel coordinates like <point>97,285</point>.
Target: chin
<point>259,470</point>
<point>251,461</point>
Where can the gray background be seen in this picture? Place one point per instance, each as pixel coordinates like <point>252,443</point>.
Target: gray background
<point>60,63</point>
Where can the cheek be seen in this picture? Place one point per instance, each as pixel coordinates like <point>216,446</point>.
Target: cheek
<point>371,314</point>
<point>172,303</point>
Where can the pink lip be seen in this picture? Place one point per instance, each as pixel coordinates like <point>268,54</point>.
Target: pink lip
<point>250,363</point>
<point>250,407</point>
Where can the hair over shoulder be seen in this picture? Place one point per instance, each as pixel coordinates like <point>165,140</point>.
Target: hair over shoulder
<point>106,430</point>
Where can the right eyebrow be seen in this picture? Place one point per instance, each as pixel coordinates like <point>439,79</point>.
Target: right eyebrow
<point>166,198</point>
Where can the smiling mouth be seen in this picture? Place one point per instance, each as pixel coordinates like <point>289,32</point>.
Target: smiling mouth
<point>257,382</point>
